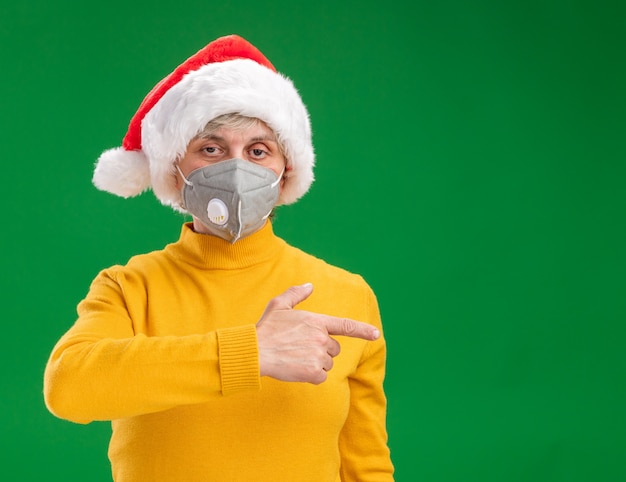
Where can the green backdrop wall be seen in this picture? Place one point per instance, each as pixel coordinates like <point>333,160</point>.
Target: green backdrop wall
<point>470,165</point>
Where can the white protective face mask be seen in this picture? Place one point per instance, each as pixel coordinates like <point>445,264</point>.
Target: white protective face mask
<point>231,198</point>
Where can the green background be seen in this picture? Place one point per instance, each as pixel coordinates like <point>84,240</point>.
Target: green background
<point>470,165</point>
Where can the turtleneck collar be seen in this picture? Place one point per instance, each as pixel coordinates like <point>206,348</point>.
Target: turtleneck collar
<point>212,252</point>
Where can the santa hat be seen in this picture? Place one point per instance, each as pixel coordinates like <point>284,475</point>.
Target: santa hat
<point>227,76</point>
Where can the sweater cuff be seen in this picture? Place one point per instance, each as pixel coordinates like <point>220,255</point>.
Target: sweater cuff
<point>239,359</point>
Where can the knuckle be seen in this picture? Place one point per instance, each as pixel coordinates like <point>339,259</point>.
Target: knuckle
<point>273,304</point>
<point>320,377</point>
<point>292,290</point>
<point>320,338</point>
<point>309,318</point>
<point>349,326</point>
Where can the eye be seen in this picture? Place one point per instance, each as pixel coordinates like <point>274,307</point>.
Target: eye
<point>210,149</point>
<point>258,153</point>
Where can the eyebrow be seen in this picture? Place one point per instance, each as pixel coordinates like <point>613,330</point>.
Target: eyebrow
<point>264,138</point>
<point>210,137</point>
<point>261,138</point>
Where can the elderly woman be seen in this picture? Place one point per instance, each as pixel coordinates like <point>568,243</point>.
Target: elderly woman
<point>196,352</point>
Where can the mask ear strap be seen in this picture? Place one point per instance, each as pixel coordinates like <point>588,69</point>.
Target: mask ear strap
<point>183,176</point>
<point>276,181</point>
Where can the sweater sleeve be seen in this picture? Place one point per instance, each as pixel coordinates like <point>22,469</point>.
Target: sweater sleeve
<point>101,369</point>
<point>365,454</point>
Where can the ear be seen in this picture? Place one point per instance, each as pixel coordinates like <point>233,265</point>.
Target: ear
<point>178,177</point>
<point>283,179</point>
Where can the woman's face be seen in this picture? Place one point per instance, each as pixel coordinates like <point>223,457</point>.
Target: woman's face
<point>256,144</point>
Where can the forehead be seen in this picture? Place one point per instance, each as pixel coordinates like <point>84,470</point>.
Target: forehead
<point>238,128</point>
<point>253,133</point>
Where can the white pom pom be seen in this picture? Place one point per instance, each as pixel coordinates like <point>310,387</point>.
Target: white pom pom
<point>121,172</point>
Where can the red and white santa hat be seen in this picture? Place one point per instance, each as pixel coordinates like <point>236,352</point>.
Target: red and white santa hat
<point>227,76</point>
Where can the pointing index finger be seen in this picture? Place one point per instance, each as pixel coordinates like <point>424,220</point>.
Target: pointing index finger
<point>352,328</point>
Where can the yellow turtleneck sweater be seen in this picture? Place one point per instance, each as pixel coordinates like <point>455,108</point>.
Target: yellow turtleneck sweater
<point>165,347</point>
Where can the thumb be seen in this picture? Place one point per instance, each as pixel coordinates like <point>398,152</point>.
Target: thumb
<point>291,297</point>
